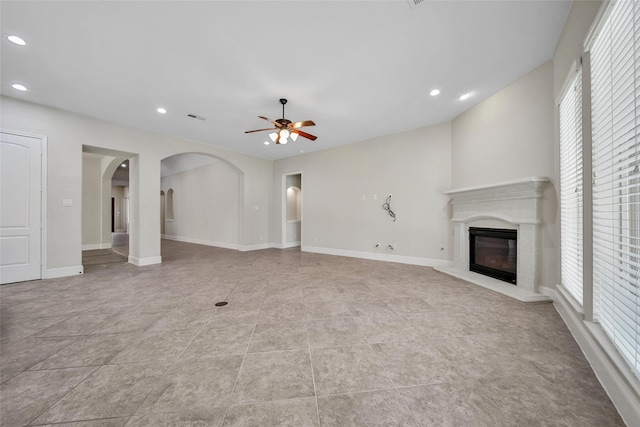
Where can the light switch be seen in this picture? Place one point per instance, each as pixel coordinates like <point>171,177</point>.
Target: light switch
<point>67,202</point>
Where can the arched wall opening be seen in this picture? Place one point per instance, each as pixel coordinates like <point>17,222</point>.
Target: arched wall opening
<point>292,210</point>
<point>100,212</point>
<point>204,200</point>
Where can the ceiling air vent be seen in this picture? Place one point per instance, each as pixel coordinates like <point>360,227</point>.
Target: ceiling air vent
<point>197,117</point>
<point>415,3</point>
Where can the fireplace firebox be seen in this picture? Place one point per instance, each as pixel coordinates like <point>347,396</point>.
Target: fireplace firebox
<point>493,252</point>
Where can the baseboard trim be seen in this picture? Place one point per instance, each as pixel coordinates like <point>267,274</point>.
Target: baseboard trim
<point>622,386</point>
<point>140,262</point>
<point>285,245</point>
<point>54,273</point>
<point>400,259</point>
<point>202,242</point>
<point>256,247</point>
<point>94,246</point>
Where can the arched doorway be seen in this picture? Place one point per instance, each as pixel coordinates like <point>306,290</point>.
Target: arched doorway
<point>203,200</point>
<point>105,204</point>
<point>292,210</point>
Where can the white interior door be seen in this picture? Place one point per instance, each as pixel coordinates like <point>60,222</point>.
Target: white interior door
<point>20,208</point>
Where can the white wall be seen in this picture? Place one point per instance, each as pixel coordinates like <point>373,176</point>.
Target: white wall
<point>206,204</point>
<point>508,136</point>
<point>340,214</point>
<point>67,132</point>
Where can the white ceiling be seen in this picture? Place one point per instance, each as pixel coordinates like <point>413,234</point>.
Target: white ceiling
<point>359,69</point>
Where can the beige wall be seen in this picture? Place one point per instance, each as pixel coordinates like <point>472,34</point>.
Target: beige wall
<point>91,202</point>
<point>206,205</point>
<point>68,132</point>
<point>340,214</point>
<point>571,43</point>
<point>508,136</point>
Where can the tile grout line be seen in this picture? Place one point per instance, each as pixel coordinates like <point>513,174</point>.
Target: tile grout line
<point>395,387</point>
<point>313,378</point>
<point>65,394</point>
<point>244,358</point>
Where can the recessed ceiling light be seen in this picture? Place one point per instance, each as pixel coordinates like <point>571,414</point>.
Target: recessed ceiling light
<point>16,40</point>
<point>464,96</point>
<point>161,110</point>
<point>266,143</point>
<point>18,86</point>
<point>435,92</point>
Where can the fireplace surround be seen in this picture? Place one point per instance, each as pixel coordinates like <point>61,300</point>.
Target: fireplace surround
<point>513,205</point>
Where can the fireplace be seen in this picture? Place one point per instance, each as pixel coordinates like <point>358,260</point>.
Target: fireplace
<point>511,205</point>
<point>493,252</point>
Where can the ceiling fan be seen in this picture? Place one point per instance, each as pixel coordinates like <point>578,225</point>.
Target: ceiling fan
<point>286,128</point>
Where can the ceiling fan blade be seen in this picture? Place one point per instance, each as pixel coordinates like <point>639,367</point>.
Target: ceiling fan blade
<point>304,134</point>
<point>301,124</point>
<point>275,122</point>
<point>259,130</point>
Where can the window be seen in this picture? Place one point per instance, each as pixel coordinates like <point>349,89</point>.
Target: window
<point>615,91</point>
<point>571,191</point>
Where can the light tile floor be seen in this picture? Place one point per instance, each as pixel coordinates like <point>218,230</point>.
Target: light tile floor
<point>306,340</point>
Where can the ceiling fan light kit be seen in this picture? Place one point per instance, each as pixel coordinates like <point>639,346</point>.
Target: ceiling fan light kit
<point>285,129</point>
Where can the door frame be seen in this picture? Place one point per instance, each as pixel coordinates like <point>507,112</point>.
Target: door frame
<point>43,194</point>
<point>283,209</point>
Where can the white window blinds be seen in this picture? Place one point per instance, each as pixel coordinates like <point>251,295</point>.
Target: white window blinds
<point>615,69</point>
<point>571,191</point>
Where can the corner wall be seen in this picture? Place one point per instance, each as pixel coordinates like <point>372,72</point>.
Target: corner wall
<point>509,136</point>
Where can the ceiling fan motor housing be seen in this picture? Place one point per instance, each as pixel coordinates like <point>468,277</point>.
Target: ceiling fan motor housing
<point>288,126</point>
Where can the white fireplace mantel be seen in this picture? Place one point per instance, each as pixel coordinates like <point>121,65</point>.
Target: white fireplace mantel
<point>512,205</point>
